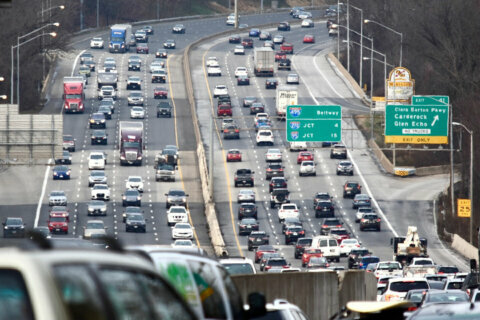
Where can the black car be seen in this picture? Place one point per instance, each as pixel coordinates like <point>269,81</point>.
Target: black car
<point>106,111</point>
<point>247,225</point>
<point>324,209</point>
<point>247,210</point>
<point>300,246</point>
<point>99,137</point>
<point>370,221</point>
<point>161,53</point>
<point>274,169</point>
<point>169,44</point>
<point>135,223</point>
<point>178,28</point>
<point>248,101</point>
<point>130,210</point>
<point>234,38</point>
<point>271,83</point>
<point>243,80</point>
<point>134,65</point>
<point>321,196</point>
<point>266,256</point>
<point>257,107</point>
<point>65,158</point>
<point>164,110</point>
<point>244,177</point>
<point>283,26</point>
<point>329,223</point>
<point>231,132</point>
<point>13,227</point>
<point>148,29</point>
<point>132,197</point>
<point>351,188</point>
<point>97,121</point>
<point>355,255</point>
<point>293,233</point>
<point>257,238</point>
<point>284,64</point>
<point>277,182</point>
<point>291,221</point>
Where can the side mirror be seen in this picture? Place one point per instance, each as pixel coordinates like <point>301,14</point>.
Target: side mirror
<point>105,227</point>
<point>256,302</point>
<point>165,194</point>
<point>186,195</point>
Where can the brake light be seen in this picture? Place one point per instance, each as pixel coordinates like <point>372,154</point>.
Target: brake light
<point>363,220</point>
<point>391,297</point>
<point>378,220</point>
<point>302,232</point>
<point>342,245</point>
<point>269,169</point>
<point>412,308</point>
<point>440,272</point>
<point>327,265</point>
<point>288,232</point>
<point>324,226</point>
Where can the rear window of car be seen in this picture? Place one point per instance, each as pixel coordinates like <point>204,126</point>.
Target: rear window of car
<point>405,286</point>
<point>238,268</point>
<point>448,270</point>
<point>332,222</point>
<point>305,241</point>
<point>14,299</point>
<point>368,260</point>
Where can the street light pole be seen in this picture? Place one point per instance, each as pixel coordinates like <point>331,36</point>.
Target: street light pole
<point>360,77</point>
<point>348,35</point>
<point>392,30</point>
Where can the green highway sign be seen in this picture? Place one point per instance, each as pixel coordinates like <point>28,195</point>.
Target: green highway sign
<point>431,100</point>
<point>417,123</point>
<point>314,123</point>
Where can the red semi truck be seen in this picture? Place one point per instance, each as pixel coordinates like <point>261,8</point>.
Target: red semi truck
<point>131,143</point>
<point>73,94</point>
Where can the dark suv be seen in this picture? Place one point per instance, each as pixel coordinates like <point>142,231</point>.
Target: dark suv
<point>275,263</point>
<point>300,246</point>
<point>355,256</point>
<point>329,223</point>
<point>370,221</point>
<point>351,188</point>
<point>293,233</point>
<point>257,238</point>
<point>279,196</point>
<point>244,177</point>
<point>164,109</point>
<point>277,182</point>
<point>274,169</point>
<point>321,196</point>
<point>324,209</point>
<point>247,210</point>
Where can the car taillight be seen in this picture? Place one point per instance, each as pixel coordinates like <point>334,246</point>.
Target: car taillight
<point>327,265</point>
<point>361,264</point>
<point>225,131</point>
<point>288,232</point>
<point>237,131</point>
<point>269,169</point>
<point>363,220</point>
<point>342,245</point>
<point>268,267</point>
<point>412,308</point>
<point>378,220</point>
<point>391,297</point>
<point>302,232</point>
<point>324,226</point>
<point>357,245</point>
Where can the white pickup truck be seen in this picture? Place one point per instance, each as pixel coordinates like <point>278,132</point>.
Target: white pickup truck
<point>388,268</point>
<point>287,210</point>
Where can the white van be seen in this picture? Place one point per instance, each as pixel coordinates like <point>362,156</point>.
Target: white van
<point>298,146</point>
<point>329,247</point>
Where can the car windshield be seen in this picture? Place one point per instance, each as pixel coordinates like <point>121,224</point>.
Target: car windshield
<point>407,285</point>
<point>131,193</point>
<point>182,226</point>
<point>368,260</point>
<point>135,179</point>
<point>178,193</point>
<point>178,210</point>
<point>448,270</point>
<point>57,193</point>
<point>97,203</point>
<point>14,221</point>
<point>96,156</point>
<point>388,266</point>
<point>332,222</point>
<point>94,225</point>
<point>135,94</point>
<point>100,187</point>
<point>352,185</point>
<point>238,268</point>
<point>61,168</point>
<point>248,221</point>
<point>58,219</point>
<point>97,174</point>
<point>135,217</point>
<point>277,262</point>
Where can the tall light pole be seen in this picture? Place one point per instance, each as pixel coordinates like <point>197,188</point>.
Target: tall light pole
<point>42,11</point>
<point>470,188</point>
<point>360,77</point>
<point>392,30</point>
<point>348,35</point>
<point>19,44</point>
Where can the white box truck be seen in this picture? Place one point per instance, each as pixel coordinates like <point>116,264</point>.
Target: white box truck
<point>286,96</point>
<point>264,61</point>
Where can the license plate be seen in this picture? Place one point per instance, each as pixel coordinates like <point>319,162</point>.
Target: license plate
<point>249,227</point>
<point>259,240</point>
<point>135,227</point>
<point>99,140</point>
<point>57,229</point>
<point>61,176</point>
<point>295,234</point>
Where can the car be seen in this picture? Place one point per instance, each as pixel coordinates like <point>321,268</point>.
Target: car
<point>254,32</point>
<point>279,55</point>
<point>309,38</point>
<point>107,112</point>
<point>96,207</point>
<point>96,160</point>
<point>141,36</point>
<point>240,49</point>
<point>142,48</point>
<point>169,44</point>
<point>278,39</point>
<point>244,177</point>
<point>134,182</point>
<point>130,210</point>
<point>307,168</point>
<point>247,225</point>
<point>135,222</point>
<point>132,197</point>
<point>292,233</point>
<point>43,231</point>
<point>246,196</point>
<point>97,121</point>
<point>307,23</point>
<point>13,227</point>
<point>265,35</point>
<point>164,109</point>
<point>135,98</point>
<point>214,71</point>
<point>321,196</point>
<point>274,169</point>
<point>260,250</point>
<point>234,155</point>
<point>273,155</point>
<point>238,265</point>
<point>241,71</point>
<point>271,83</point>
<point>277,182</point>
<point>361,200</point>
<point>134,83</point>
<point>276,263</point>
<point>178,28</point>
<point>84,70</point>
<point>171,150</point>
<point>279,196</point>
<point>231,132</point>
<point>134,65</point>
<point>161,53</point>
<point>305,156</point>
<point>339,234</point>
<point>361,211</point>
<point>304,15</point>
<point>148,29</point>
<point>261,116</point>
<point>230,21</point>
<point>85,57</point>
<point>324,209</point>
<point>269,44</point>
<point>263,124</point>
<point>449,271</point>
<point>257,238</point>
<point>338,151</point>
<point>182,230</point>
<point>247,210</point>
<point>157,66</point>
<point>453,284</point>
<point>65,158</point>
<point>97,43</point>
<point>283,26</point>
<point>176,214</point>
<point>397,288</point>
<point>265,137</point>
<point>310,253</point>
<point>61,172</point>
<point>57,198</point>
<point>351,188</point>
<point>370,221</point>
<point>226,122</point>
<point>219,90</point>
<point>212,62</point>
<point>176,197</point>
<point>291,221</point>
<point>108,102</point>
<point>293,78</point>
<point>318,263</point>
<point>160,92</point>
<point>446,297</point>
<point>224,110</point>
<point>97,176</point>
<point>234,38</point>
<point>288,210</point>
<point>137,113</point>
<point>57,224</point>
<point>345,167</point>
<point>368,263</point>
<point>329,223</point>
<point>243,81</point>
<point>98,137</point>
<point>287,48</point>
<point>107,92</point>
<point>355,255</point>
<point>257,107</point>
<point>94,228</point>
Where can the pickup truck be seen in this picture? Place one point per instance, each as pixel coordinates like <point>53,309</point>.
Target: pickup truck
<point>287,210</point>
<point>388,268</point>
<point>159,76</point>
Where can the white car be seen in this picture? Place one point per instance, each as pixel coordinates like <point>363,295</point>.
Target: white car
<point>107,92</point>
<point>307,168</point>
<point>230,20</point>
<point>214,71</point>
<point>137,113</point>
<point>418,261</point>
<point>278,39</point>
<point>304,15</point>
<point>273,155</point>
<point>134,182</point>
<point>97,43</point>
<point>240,265</point>
<point>246,195</point>
<point>288,210</point>
<point>57,198</point>
<point>265,137</point>
<point>183,243</point>
<point>212,61</point>
<point>100,192</point>
<point>226,122</point>
<point>298,146</point>
<point>94,227</point>
<point>177,214</point>
<point>219,90</point>
<point>135,98</point>
<point>388,268</point>
<point>182,231</point>
<point>96,160</point>
<point>397,288</point>
<point>307,23</point>
<point>261,116</point>
<point>156,66</point>
<point>239,50</point>
<point>293,78</point>
<point>241,71</point>
<point>347,245</point>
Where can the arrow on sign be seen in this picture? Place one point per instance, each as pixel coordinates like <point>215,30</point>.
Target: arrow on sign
<point>435,119</point>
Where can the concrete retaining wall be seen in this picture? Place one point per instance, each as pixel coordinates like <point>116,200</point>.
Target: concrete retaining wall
<point>464,248</point>
<point>318,294</point>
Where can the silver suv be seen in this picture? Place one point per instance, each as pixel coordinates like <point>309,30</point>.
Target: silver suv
<point>176,197</point>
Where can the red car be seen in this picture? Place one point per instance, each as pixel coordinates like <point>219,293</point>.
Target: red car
<point>308,38</point>
<point>234,155</point>
<point>58,225</point>
<point>247,42</point>
<point>60,211</point>
<point>280,56</point>
<point>340,234</point>
<point>287,48</point>
<point>308,253</point>
<point>261,250</point>
<point>304,156</point>
<point>160,93</point>
<point>142,48</point>
<point>224,110</point>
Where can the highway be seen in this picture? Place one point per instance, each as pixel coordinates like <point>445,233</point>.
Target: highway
<point>402,202</point>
